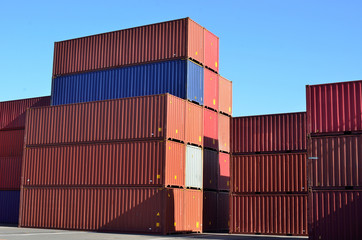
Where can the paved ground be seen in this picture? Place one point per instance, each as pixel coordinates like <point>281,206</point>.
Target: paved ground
<point>14,233</point>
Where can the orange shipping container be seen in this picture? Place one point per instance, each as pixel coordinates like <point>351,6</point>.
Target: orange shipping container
<point>210,129</point>
<point>225,96</point>
<point>224,133</point>
<point>193,209</point>
<point>224,172</point>
<point>211,89</point>
<point>211,51</point>
<point>194,124</point>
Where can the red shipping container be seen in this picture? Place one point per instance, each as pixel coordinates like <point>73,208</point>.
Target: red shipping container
<point>223,203</point>
<point>11,143</point>
<point>225,96</point>
<point>224,172</point>
<point>10,172</point>
<point>12,113</point>
<point>194,124</point>
<point>211,89</point>
<point>177,39</point>
<point>334,108</point>
<point>210,129</point>
<point>224,133</point>
<point>211,50</point>
<point>269,133</point>
<point>148,117</point>
<point>210,173</point>
<point>269,214</point>
<point>270,173</point>
<point>335,162</point>
<point>335,215</point>
<point>193,210</point>
<point>210,217</point>
<point>136,163</point>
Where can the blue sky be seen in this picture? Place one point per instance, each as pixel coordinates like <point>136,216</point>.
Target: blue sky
<point>270,49</point>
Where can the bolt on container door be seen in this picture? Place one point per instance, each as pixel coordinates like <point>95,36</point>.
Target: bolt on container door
<point>211,50</point>
<point>211,89</point>
<point>224,172</point>
<point>224,133</point>
<point>193,173</point>
<point>211,161</point>
<point>211,129</point>
<point>194,124</point>
<point>225,96</point>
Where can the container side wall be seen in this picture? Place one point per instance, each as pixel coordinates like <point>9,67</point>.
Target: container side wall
<point>175,164</point>
<point>194,124</point>
<point>10,173</point>
<point>176,108</point>
<point>193,210</point>
<point>11,143</point>
<point>193,174</point>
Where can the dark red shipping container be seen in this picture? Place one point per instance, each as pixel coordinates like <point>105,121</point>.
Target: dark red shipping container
<point>224,172</point>
<point>269,173</point>
<point>210,217</point>
<point>211,129</point>
<point>211,89</point>
<point>194,124</point>
<point>334,108</point>
<point>145,210</point>
<point>225,96</point>
<point>269,133</point>
<point>12,113</point>
<point>335,161</point>
<point>210,173</point>
<point>177,39</point>
<point>11,143</point>
<point>223,211</point>
<point>269,214</point>
<point>224,133</point>
<point>10,172</point>
<point>211,51</point>
<point>335,215</point>
<point>135,163</point>
<point>148,117</point>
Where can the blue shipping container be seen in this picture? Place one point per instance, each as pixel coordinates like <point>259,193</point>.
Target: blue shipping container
<point>182,78</point>
<point>9,207</point>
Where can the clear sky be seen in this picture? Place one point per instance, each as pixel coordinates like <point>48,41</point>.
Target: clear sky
<point>270,49</point>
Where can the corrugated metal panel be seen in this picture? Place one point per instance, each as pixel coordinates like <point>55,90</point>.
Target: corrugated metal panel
<point>194,124</point>
<point>195,41</point>
<point>147,210</point>
<point>11,143</point>
<point>12,113</point>
<point>224,172</point>
<point>9,207</point>
<point>223,203</point>
<point>121,119</point>
<point>225,96</point>
<point>211,129</point>
<point>269,133</point>
<point>224,133</point>
<point>181,78</point>
<point>269,214</point>
<point>271,173</point>
<point>335,107</point>
<point>176,117</point>
<point>210,172</point>
<point>335,161</point>
<point>193,174</point>
<point>211,50</point>
<point>10,173</point>
<point>193,210</point>
<point>335,215</point>
<point>211,89</point>
<point>210,217</point>
<point>146,163</point>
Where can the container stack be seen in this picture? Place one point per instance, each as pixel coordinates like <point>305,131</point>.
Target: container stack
<point>268,174</point>
<point>335,160</point>
<point>117,151</point>
<point>12,124</point>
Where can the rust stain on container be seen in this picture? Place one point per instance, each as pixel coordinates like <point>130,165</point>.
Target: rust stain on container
<point>10,172</point>
<point>224,133</point>
<point>211,50</point>
<point>11,143</point>
<point>334,107</point>
<point>269,214</point>
<point>335,161</point>
<point>193,210</point>
<point>210,172</point>
<point>211,89</point>
<point>269,133</point>
<point>194,124</point>
<point>270,173</point>
<point>224,172</point>
<point>225,96</point>
<point>210,217</point>
<point>210,129</point>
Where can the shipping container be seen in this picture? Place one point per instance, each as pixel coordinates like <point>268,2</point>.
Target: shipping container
<point>10,173</point>
<point>9,207</point>
<point>210,217</point>
<point>335,215</point>
<point>335,162</point>
<point>182,78</point>
<point>12,113</point>
<point>269,214</point>
<point>211,129</point>
<point>224,133</point>
<point>194,124</point>
<point>149,117</point>
<point>269,173</point>
<point>135,163</point>
<point>177,39</point>
<point>223,203</point>
<point>144,210</point>
<point>269,133</point>
<point>224,172</point>
<point>194,167</point>
<point>210,172</point>
<point>211,89</point>
<point>11,143</point>
<point>225,96</point>
<point>211,50</point>
<point>334,108</point>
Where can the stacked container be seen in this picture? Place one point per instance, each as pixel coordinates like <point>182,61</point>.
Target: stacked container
<point>268,174</point>
<point>334,160</point>
<point>12,124</point>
